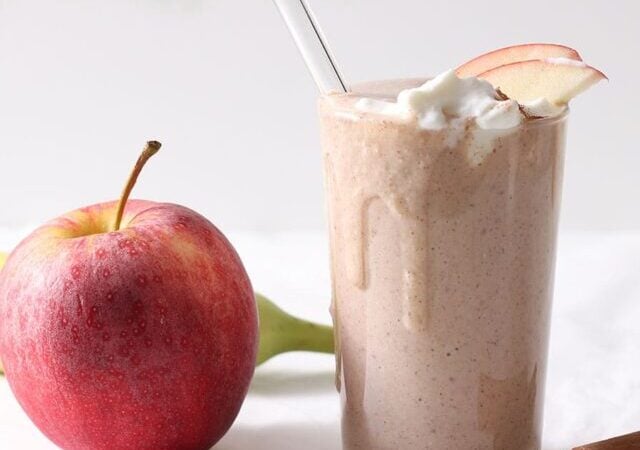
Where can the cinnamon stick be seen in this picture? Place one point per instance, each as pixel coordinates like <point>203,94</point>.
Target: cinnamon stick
<point>626,442</point>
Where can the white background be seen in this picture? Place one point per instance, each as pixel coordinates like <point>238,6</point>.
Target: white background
<point>84,83</point>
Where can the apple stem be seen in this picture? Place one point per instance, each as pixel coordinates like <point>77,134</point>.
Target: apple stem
<point>150,149</point>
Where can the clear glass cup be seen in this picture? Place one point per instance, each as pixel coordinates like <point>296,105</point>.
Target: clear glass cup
<point>442,253</point>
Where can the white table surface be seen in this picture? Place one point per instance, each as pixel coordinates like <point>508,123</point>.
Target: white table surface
<point>593,387</point>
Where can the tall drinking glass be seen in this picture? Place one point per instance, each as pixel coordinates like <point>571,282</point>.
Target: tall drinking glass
<point>442,251</point>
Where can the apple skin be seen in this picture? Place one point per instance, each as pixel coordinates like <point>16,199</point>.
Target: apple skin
<point>513,54</point>
<point>142,338</point>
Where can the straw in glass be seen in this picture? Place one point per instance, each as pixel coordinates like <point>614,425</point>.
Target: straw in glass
<point>312,45</point>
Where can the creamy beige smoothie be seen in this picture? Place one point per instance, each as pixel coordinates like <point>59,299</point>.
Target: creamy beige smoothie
<point>443,234</point>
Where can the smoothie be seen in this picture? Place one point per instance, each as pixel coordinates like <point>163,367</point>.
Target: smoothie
<point>443,233</point>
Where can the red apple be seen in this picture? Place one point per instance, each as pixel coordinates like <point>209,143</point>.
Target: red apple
<point>139,336</point>
<point>512,54</point>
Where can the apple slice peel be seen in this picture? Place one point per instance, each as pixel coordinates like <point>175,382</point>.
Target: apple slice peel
<point>515,53</point>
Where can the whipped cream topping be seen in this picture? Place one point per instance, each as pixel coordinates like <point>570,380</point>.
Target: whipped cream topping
<point>448,97</point>
<point>446,101</point>
<point>541,107</point>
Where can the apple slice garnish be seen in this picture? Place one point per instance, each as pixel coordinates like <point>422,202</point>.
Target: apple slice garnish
<point>515,53</point>
<point>556,80</point>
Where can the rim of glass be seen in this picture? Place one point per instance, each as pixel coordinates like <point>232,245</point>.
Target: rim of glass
<point>537,122</point>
